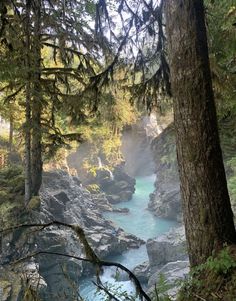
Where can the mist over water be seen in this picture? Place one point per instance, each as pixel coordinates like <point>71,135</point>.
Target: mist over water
<point>139,220</point>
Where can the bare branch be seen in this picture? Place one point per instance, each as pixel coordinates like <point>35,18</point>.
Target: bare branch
<point>103,288</point>
<point>90,254</point>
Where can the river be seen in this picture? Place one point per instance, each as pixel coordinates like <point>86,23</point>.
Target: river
<point>140,222</point>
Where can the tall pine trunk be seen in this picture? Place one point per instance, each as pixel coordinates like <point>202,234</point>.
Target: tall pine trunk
<point>28,190</point>
<point>207,211</point>
<point>36,154</point>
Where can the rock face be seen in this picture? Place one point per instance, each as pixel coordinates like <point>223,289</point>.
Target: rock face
<point>168,262</point>
<point>166,248</point>
<point>64,200</point>
<point>142,271</point>
<point>118,186</point>
<point>166,204</point>
<point>172,273</point>
<point>165,201</point>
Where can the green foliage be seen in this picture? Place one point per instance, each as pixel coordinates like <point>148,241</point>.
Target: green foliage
<point>221,37</point>
<point>116,291</point>
<point>93,188</point>
<point>212,281</point>
<point>11,193</point>
<point>161,288</point>
<point>10,172</point>
<point>224,263</point>
<point>232,188</point>
<point>34,203</point>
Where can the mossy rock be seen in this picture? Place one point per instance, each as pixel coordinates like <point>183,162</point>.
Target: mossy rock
<point>34,203</point>
<point>10,285</point>
<point>5,290</point>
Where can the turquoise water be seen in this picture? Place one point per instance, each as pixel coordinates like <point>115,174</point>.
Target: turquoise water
<point>138,221</point>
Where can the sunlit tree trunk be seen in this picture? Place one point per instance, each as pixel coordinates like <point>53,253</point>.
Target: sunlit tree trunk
<point>207,212</point>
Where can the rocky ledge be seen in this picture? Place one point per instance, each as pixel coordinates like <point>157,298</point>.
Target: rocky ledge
<point>118,186</point>
<point>63,199</point>
<point>168,262</point>
<point>166,248</point>
<point>165,201</point>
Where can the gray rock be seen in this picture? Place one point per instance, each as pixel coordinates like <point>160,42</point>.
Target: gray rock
<point>142,271</point>
<point>166,204</point>
<point>172,271</point>
<point>172,274</point>
<point>121,210</point>
<point>167,247</point>
<point>61,198</point>
<point>113,199</point>
<point>30,273</point>
<point>101,202</point>
<point>166,201</point>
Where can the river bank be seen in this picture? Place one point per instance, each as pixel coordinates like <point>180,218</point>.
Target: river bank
<point>140,222</point>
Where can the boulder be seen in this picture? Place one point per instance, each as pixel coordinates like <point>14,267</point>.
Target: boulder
<point>101,202</point>
<point>171,271</point>
<point>113,199</point>
<point>166,204</point>
<point>121,210</point>
<point>117,186</point>
<point>169,277</point>
<point>142,272</point>
<point>167,247</point>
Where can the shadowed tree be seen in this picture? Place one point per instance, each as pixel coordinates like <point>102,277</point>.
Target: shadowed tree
<point>207,211</point>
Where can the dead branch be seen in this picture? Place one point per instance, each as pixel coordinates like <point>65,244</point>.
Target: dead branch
<point>90,254</point>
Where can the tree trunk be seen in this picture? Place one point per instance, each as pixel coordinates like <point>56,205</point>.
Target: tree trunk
<point>36,153</point>
<point>28,191</point>
<point>207,211</point>
<point>10,141</point>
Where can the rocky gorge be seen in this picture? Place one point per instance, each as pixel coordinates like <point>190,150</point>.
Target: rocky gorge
<point>65,199</point>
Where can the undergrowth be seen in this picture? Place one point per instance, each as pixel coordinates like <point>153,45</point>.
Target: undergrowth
<point>11,194</point>
<point>214,280</point>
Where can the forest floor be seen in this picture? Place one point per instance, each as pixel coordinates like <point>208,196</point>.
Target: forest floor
<point>213,281</point>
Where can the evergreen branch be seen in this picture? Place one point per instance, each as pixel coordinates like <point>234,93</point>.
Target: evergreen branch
<point>9,86</point>
<point>8,98</point>
<point>104,74</point>
<point>66,69</point>
<point>66,49</point>
<point>61,72</point>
